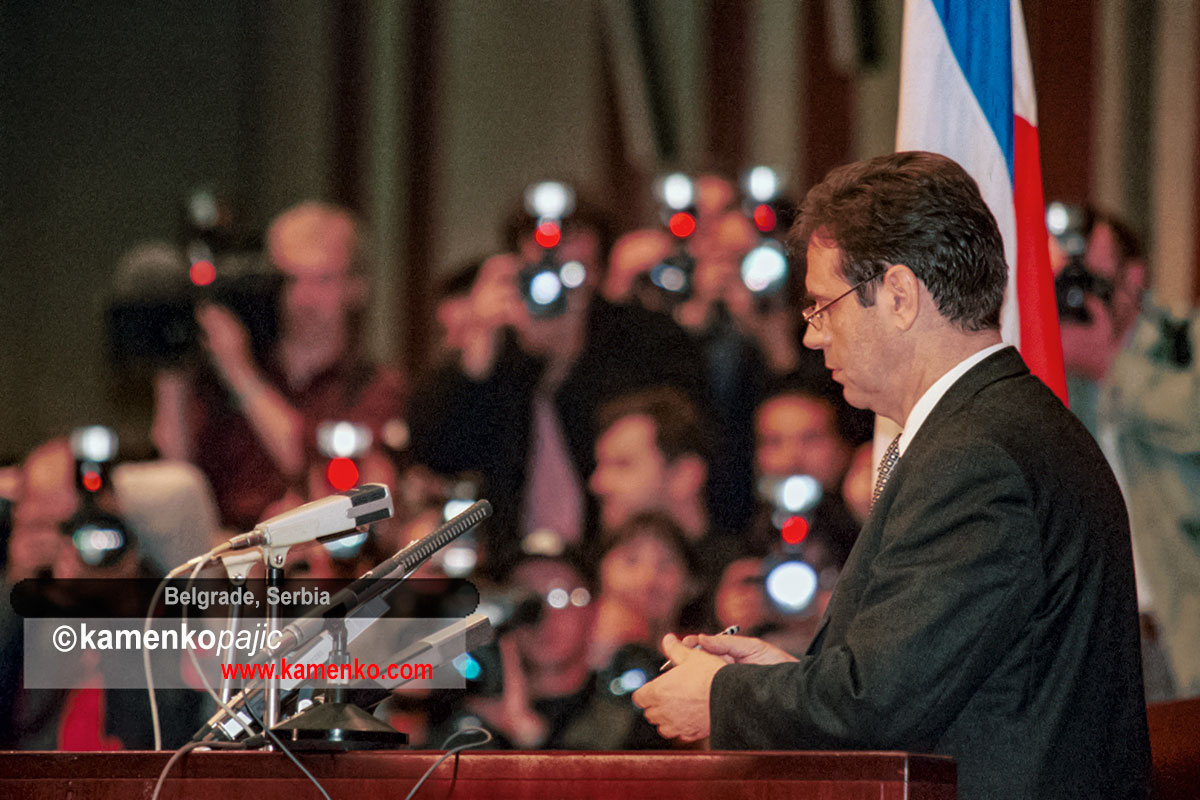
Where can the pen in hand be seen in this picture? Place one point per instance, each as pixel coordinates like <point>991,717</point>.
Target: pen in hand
<point>732,629</point>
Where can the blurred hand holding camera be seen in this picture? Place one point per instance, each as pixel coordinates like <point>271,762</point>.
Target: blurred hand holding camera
<point>228,345</point>
<point>492,305</point>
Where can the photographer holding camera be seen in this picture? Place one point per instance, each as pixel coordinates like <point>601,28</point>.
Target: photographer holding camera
<point>539,354</point>
<point>249,424</point>
<point>75,539</point>
<point>1099,279</point>
<point>1128,377</point>
<point>737,301</point>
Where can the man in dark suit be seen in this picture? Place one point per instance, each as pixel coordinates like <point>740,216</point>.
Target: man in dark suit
<point>987,610</point>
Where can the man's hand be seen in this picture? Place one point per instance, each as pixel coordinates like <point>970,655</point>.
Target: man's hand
<point>739,649</point>
<point>512,714</point>
<point>677,702</point>
<point>228,344</point>
<point>494,303</point>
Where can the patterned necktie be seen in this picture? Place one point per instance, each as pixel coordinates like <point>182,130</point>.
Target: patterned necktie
<point>890,457</point>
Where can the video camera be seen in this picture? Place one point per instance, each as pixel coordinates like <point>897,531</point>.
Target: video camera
<point>152,318</point>
<point>156,323</point>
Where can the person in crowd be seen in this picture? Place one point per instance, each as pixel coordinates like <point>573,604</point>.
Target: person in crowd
<point>546,694</point>
<point>987,611</point>
<point>797,434</point>
<point>652,454</point>
<point>1101,278</point>
<point>251,426</point>
<point>749,341</point>
<point>647,578</point>
<point>92,566</point>
<point>517,400</point>
<point>1150,399</point>
<point>742,598</point>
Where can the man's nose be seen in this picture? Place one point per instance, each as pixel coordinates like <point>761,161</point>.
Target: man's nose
<point>813,338</point>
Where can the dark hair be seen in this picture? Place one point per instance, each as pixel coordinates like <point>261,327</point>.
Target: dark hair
<point>678,427</point>
<point>918,209</point>
<point>852,425</point>
<point>659,525</point>
<point>460,279</point>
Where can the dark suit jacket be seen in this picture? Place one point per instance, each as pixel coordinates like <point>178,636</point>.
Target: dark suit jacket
<point>986,612</point>
<point>459,424</point>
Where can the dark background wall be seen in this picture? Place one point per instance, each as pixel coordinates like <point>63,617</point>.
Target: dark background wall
<point>112,110</point>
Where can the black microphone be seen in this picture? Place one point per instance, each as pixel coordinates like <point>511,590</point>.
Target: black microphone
<point>374,582</point>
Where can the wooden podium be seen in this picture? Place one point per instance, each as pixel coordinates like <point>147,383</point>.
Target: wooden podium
<point>492,775</point>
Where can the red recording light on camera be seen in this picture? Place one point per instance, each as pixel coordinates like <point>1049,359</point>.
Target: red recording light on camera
<point>764,218</point>
<point>202,273</point>
<point>682,224</point>
<point>548,234</point>
<point>92,481</point>
<point>342,473</point>
<point>795,529</point>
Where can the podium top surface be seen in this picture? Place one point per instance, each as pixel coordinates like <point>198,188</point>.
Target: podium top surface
<point>677,775</point>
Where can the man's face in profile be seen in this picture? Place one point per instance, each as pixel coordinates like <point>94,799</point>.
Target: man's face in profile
<point>631,472</point>
<point>852,337</point>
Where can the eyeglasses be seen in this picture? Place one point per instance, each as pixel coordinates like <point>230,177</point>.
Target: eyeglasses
<point>559,597</point>
<point>813,315</point>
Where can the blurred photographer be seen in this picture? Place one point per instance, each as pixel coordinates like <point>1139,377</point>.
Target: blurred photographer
<point>535,353</point>
<point>1148,412</point>
<point>801,456</point>
<point>735,293</point>
<point>535,688</point>
<point>1100,274</point>
<point>249,423</point>
<point>1128,372</point>
<point>74,536</point>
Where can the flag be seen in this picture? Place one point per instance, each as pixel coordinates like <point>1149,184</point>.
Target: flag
<point>966,91</point>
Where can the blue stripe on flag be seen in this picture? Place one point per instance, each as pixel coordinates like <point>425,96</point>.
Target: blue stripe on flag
<point>980,35</point>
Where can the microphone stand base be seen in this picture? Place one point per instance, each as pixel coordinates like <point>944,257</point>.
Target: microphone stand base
<point>335,727</point>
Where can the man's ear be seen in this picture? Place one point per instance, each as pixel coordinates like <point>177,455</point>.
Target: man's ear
<point>901,295</point>
<point>686,476</point>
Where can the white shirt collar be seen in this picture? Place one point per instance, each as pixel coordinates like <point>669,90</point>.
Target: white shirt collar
<point>935,392</point>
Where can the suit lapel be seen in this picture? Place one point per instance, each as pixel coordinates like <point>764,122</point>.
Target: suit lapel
<point>1006,363</point>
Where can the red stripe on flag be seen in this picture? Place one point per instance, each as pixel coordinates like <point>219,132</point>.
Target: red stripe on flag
<point>1041,342</point>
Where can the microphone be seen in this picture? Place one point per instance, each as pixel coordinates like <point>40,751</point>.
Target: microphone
<point>373,582</point>
<point>336,514</point>
<point>237,562</point>
<point>347,601</point>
